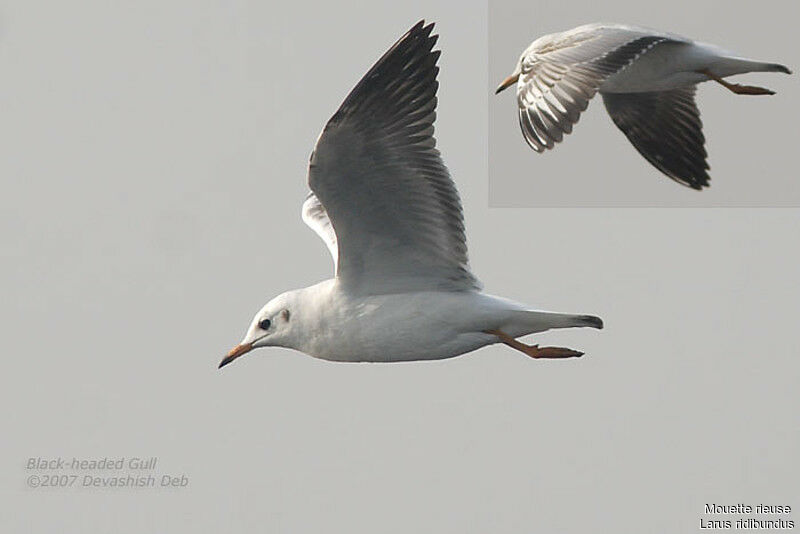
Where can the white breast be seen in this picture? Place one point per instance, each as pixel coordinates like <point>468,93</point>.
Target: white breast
<point>397,327</point>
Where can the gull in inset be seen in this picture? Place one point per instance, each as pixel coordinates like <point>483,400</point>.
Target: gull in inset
<point>648,81</point>
<point>383,202</point>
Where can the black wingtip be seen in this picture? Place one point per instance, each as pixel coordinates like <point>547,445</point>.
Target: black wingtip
<point>410,59</point>
<point>699,181</point>
<point>421,29</point>
<point>696,183</point>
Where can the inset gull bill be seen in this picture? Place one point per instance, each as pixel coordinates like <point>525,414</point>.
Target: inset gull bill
<point>383,202</point>
<point>647,79</point>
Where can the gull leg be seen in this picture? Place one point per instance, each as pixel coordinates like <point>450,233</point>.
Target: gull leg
<point>535,351</point>
<point>738,88</point>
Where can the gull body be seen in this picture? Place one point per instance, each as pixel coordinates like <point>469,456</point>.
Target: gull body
<point>330,323</point>
<point>647,79</point>
<point>385,206</point>
<point>679,64</point>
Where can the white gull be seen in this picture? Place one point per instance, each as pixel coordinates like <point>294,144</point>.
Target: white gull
<point>384,203</point>
<point>648,81</point>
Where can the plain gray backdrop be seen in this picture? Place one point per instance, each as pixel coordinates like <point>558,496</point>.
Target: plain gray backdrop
<point>751,141</point>
<point>153,159</point>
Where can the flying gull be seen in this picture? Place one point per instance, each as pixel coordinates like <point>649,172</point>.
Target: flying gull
<point>647,79</point>
<point>383,202</point>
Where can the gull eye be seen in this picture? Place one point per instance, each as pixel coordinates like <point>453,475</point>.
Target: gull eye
<point>264,324</point>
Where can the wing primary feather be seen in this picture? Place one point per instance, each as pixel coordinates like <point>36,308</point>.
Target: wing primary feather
<point>396,213</point>
<point>564,73</point>
<point>664,127</point>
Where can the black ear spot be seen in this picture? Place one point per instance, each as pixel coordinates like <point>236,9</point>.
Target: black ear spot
<point>285,314</point>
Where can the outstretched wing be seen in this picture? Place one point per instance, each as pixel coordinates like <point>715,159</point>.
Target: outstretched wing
<point>666,129</point>
<point>562,72</point>
<point>388,196</point>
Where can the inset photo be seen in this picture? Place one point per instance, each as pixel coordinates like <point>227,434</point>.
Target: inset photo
<point>623,103</point>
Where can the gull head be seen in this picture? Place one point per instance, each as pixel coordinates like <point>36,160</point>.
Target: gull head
<point>524,65</point>
<point>270,327</point>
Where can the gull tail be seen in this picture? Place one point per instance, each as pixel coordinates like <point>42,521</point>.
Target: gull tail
<point>730,66</point>
<point>776,67</point>
<point>532,321</point>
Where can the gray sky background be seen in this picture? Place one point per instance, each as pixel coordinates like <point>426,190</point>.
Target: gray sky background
<point>153,165</point>
<point>750,140</point>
